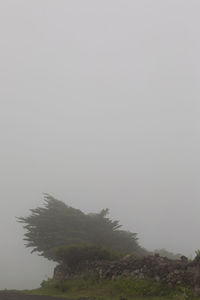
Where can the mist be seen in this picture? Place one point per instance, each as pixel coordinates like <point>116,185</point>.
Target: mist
<point>100,108</point>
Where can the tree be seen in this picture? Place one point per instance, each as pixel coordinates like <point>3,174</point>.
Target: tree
<point>57,224</point>
<point>74,256</point>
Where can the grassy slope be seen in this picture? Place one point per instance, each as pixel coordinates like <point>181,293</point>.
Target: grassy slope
<point>111,290</point>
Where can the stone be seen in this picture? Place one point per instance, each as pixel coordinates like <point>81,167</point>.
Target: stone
<point>157,278</point>
<point>158,268</point>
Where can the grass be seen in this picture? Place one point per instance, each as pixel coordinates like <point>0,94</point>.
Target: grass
<point>88,286</point>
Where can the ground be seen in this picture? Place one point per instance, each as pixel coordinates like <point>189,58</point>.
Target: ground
<point>5,295</point>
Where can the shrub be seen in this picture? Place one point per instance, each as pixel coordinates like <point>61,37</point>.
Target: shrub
<point>140,287</point>
<point>127,288</point>
<point>74,256</point>
<point>197,252</point>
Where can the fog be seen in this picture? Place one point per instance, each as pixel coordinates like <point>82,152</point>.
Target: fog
<point>100,108</point>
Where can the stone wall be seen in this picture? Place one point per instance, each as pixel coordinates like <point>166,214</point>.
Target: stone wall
<point>160,269</point>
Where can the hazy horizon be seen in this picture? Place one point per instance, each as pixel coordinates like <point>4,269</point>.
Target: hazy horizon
<point>100,108</point>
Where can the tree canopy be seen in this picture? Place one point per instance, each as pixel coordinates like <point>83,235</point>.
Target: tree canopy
<point>57,224</point>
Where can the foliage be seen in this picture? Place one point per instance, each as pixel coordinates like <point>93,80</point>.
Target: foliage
<point>168,254</point>
<point>75,255</point>
<point>57,224</point>
<point>197,252</point>
<point>89,286</point>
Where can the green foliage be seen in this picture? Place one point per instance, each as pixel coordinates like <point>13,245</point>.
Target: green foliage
<point>183,293</point>
<point>75,255</point>
<point>142,287</point>
<point>88,285</point>
<point>168,254</point>
<point>57,224</point>
<point>197,252</point>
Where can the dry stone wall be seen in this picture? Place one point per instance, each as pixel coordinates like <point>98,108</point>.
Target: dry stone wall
<point>160,269</point>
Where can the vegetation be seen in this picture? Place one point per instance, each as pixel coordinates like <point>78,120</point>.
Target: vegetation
<point>67,235</point>
<point>168,254</point>
<point>121,288</point>
<point>57,224</point>
<point>197,253</point>
<point>74,256</point>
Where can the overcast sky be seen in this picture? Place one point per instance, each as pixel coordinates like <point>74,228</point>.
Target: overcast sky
<point>100,107</point>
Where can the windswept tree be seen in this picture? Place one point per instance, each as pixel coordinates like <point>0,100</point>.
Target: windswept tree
<point>57,224</point>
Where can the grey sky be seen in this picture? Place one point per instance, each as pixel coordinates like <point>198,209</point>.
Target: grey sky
<point>99,106</point>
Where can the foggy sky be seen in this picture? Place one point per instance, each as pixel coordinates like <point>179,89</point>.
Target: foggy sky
<point>99,106</point>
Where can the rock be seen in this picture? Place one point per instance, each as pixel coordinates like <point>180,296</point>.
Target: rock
<point>184,259</point>
<point>157,278</point>
<point>197,291</point>
<point>127,257</point>
<point>161,269</point>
